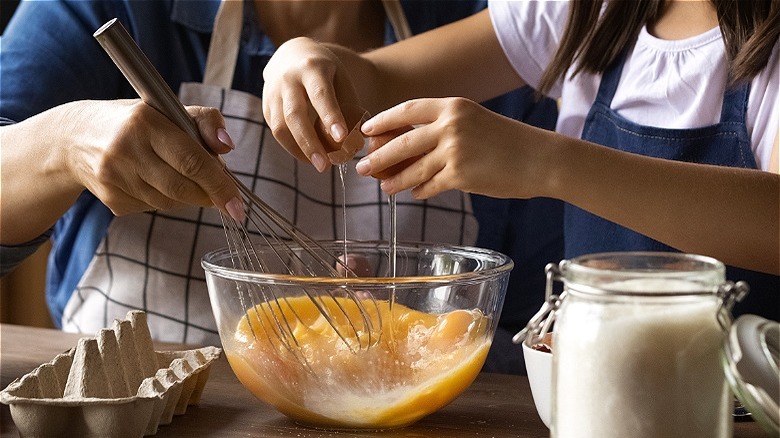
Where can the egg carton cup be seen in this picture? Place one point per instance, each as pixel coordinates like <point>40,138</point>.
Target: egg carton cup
<point>112,385</point>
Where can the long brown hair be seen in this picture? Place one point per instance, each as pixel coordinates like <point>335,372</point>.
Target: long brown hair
<point>594,40</point>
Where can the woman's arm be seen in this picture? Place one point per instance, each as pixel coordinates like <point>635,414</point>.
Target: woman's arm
<point>124,152</point>
<point>728,213</point>
<point>71,135</point>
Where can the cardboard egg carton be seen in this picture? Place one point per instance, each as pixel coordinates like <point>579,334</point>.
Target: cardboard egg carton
<point>112,385</point>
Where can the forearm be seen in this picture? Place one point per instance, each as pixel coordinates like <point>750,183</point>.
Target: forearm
<point>728,213</point>
<point>451,60</point>
<point>37,189</point>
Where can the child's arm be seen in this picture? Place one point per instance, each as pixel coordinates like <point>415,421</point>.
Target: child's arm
<point>728,213</point>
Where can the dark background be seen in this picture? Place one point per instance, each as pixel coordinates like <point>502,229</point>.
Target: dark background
<point>7,8</point>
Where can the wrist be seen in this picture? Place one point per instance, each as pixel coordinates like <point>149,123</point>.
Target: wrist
<point>33,171</point>
<point>67,143</point>
<point>554,151</point>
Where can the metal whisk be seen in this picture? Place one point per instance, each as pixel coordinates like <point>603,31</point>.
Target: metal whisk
<point>263,308</point>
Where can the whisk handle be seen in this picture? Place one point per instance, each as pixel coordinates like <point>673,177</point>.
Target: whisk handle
<point>144,78</point>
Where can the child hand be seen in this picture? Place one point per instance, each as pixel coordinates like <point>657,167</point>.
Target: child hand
<point>458,144</point>
<point>309,103</point>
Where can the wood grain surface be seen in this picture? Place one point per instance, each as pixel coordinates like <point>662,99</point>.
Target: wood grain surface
<point>495,405</point>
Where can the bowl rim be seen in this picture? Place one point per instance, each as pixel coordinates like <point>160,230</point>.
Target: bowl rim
<point>504,265</point>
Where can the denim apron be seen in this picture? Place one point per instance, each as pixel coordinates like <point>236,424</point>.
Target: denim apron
<point>726,143</point>
<point>151,261</point>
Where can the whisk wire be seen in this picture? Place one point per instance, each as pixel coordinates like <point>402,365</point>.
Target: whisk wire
<point>280,329</point>
<point>239,238</point>
<point>273,227</point>
<point>264,218</point>
<point>259,209</point>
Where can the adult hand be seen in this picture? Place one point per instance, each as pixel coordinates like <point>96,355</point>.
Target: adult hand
<point>124,152</point>
<point>309,103</point>
<point>457,144</point>
<point>134,159</point>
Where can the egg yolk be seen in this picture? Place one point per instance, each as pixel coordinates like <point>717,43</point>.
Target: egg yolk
<point>356,377</point>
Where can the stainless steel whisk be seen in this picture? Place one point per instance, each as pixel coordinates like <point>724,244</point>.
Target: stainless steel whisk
<point>281,235</point>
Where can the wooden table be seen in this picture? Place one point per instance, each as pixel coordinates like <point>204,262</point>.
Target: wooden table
<point>496,405</point>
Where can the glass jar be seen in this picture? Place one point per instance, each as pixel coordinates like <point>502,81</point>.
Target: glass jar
<point>637,343</point>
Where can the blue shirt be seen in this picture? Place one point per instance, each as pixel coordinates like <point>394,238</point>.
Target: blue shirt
<point>48,57</point>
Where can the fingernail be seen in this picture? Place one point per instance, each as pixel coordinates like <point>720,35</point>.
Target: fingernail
<point>386,186</point>
<point>224,137</point>
<point>368,126</point>
<point>363,166</point>
<point>319,162</point>
<point>235,208</point>
<point>338,131</point>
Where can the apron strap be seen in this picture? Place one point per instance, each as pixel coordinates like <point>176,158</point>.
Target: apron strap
<point>735,103</point>
<point>223,49</point>
<point>395,13</point>
<point>610,80</point>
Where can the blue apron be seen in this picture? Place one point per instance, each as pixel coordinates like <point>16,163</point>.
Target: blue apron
<point>726,143</point>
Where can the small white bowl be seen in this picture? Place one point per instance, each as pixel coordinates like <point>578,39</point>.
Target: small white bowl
<point>539,367</point>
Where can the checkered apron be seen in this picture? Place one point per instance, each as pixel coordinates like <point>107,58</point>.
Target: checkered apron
<point>151,261</point>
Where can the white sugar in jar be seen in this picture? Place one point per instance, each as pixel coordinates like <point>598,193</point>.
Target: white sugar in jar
<point>637,345</point>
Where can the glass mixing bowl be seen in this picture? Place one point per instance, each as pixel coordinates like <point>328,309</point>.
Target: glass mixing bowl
<point>427,344</point>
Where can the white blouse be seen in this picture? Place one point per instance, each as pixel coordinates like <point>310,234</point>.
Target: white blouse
<point>669,84</point>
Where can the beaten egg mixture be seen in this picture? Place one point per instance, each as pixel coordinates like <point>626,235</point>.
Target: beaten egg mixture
<point>416,364</point>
